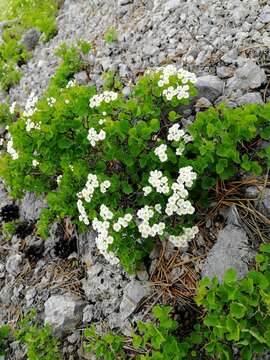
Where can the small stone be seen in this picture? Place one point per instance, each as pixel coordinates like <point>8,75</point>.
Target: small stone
<point>252,192</point>
<point>81,78</point>
<point>124,2</point>
<point>32,206</point>
<point>63,312</point>
<point>209,87</point>
<point>14,264</point>
<point>172,5</point>
<point>30,39</point>
<point>203,103</point>
<point>143,275</point>
<point>224,72</point>
<point>230,57</point>
<point>150,50</point>
<point>250,98</point>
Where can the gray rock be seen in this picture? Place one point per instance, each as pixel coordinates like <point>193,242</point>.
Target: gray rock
<point>265,15</point>
<point>209,87</point>
<point>230,57</point>
<point>6,294</point>
<point>81,78</point>
<point>224,72</point>
<point>133,294</point>
<point>172,5</point>
<point>250,98</point>
<point>150,50</point>
<point>203,103</point>
<point>87,246</point>
<point>4,198</point>
<point>248,76</point>
<point>63,312</point>
<point>32,206</point>
<point>124,2</point>
<point>30,39</point>
<point>14,264</point>
<point>230,251</point>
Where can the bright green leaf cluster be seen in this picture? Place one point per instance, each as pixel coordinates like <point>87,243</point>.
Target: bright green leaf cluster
<point>4,332</point>
<point>238,311</point>
<point>40,342</point>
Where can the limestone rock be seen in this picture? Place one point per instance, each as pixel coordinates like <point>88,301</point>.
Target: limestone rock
<point>30,39</point>
<point>31,206</point>
<point>63,312</point>
<point>209,87</point>
<point>133,294</point>
<point>230,251</point>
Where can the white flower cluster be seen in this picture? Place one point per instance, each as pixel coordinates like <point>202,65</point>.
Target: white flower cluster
<point>94,137</point>
<point>177,202</point>
<point>104,186</point>
<point>10,149</point>
<point>182,241</point>
<point>51,101</point>
<point>160,151</point>
<point>30,106</point>
<point>147,190</point>
<point>105,212</point>
<point>30,125</point>
<point>187,176</point>
<point>71,83</point>
<point>101,121</point>
<point>83,216</point>
<point>35,163</point>
<point>103,240</point>
<point>159,182</point>
<point>106,96</point>
<point>175,133</point>
<point>181,91</point>
<point>122,222</point>
<point>87,193</point>
<point>146,230</point>
<point>12,108</point>
<point>89,188</point>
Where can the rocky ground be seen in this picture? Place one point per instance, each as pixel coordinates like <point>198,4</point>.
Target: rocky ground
<point>227,44</point>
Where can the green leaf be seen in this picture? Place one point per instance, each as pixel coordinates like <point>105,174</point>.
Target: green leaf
<point>237,310</point>
<point>230,276</point>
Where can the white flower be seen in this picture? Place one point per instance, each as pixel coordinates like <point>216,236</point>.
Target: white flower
<point>83,216</point>
<point>12,108</point>
<point>104,186</point>
<point>106,96</point>
<point>94,136</point>
<point>160,151</point>
<point>182,241</point>
<point>67,101</point>
<point>30,106</point>
<point>71,83</point>
<point>10,149</point>
<point>159,182</point>
<point>158,208</point>
<point>105,212</point>
<point>175,133</point>
<point>35,163</point>
<point>147,190</point>
<point>51,101</point>
<point>116,227</point>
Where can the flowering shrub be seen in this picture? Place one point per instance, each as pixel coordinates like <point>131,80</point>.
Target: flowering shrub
<point>109,162</point>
